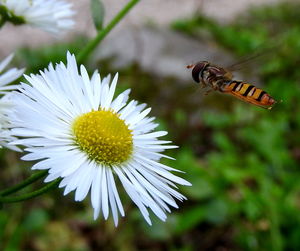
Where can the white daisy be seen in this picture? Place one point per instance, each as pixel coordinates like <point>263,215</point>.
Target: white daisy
<point>74,127</point>
<point>8,76</point>
<point>5,105</point>
<point>5,133</point>
<point>49,15</point>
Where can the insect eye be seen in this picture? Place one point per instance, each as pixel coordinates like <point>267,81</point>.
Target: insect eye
<point>197,71</point>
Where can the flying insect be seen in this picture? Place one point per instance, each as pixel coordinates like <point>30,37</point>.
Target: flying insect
<point>221,79</point>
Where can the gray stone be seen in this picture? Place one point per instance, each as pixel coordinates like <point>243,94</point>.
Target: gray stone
<point>160,51</point>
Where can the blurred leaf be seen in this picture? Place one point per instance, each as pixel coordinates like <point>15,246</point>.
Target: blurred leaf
<point>159,230</point>
<point>223,142</point>
<point>195,173</point>
<point>251,206</point>
<point>201,187</point>
<point>190,218</point>
<point>217,211</point>
<point>98,12</point>
<point>4,219</point>
<point>35,220</point>
<point>215,120</point>
<point>15,239</point>
<point>180,117</point>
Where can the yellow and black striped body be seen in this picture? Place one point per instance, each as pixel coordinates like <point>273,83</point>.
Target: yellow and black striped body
<point>248,93</point>
<point>219,79</point>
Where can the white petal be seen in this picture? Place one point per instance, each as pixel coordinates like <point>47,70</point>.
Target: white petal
<point>104,196</point>
<point>6,61</point>
<point>85,183</point>
<point>116,194</point>
<point>112,200</point>
<point>133,195</point>
<point>96,192</point>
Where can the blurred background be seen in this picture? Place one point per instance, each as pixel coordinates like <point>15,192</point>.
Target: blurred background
<point>242,160</point>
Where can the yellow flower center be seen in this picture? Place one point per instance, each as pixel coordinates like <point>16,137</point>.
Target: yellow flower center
<point>103,136</point>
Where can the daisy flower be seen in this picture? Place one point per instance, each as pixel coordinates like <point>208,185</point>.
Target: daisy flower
<point>8,76</point>
<point>75,128</point>
<point>5,133</point>
<point>5,105</point>
<point>50,15</point>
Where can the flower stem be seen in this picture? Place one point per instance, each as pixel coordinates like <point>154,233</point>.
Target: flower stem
<point>24,183</point>
<point>31,195</point>
<point>102,34</point>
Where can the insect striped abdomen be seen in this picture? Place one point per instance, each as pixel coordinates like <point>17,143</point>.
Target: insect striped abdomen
<point>249,93</point>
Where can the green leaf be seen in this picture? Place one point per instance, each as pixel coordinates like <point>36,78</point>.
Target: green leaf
<point>190,218</point>
<point>217,211</point>
<point>4,220</point>
<point>14,240</point>
<point>35,220</point>
<point>98,11</point>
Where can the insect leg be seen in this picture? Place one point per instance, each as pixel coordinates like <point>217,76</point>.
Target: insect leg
<point>203,84</point>
<point>207,92</point>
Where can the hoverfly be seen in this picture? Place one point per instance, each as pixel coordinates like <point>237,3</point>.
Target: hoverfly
<point>220,79</point>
